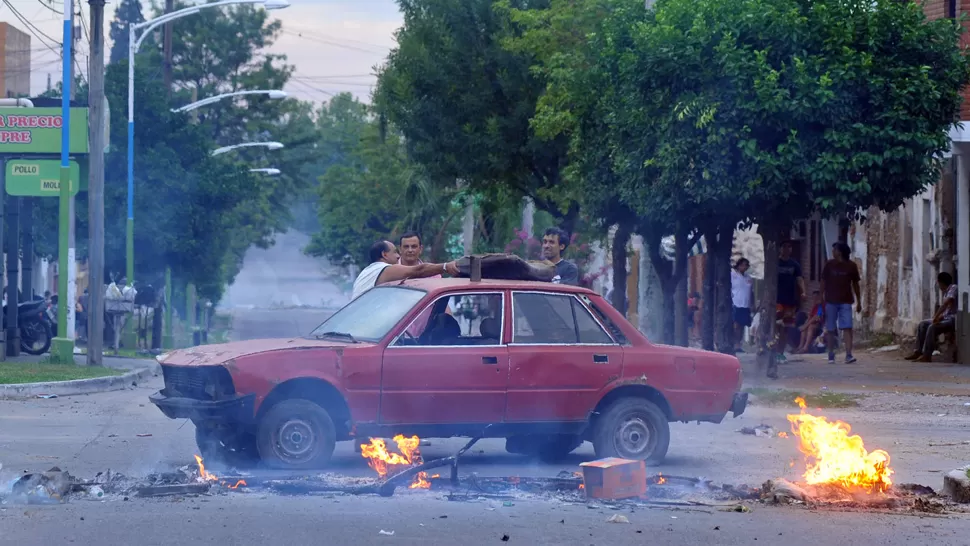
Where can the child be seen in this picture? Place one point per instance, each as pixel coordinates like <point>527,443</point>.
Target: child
<point>813,326</point>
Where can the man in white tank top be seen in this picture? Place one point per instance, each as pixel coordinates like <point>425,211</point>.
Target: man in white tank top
<point>384,267</point>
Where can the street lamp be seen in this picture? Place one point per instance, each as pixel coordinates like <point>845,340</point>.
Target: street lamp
<point>270,145</point>
<point>269,171</point>
<point>133,45</point>
<point>273,94</point>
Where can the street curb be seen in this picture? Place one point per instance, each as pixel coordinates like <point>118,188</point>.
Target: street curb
<point>78,386</point>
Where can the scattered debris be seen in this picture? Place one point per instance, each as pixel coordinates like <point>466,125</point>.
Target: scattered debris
<point>505,538</point>
<point>46,396</point>
<point>618,518</point>
<point>143,435</point>
<point>386,533</point>
<point>736,508</point>
<point>928,505</point>
<point>761,431</point>
<point>96,491</point>
<point>168,490</point>
<point>885,349</point>
<point>46,487</point>
<point>783,491</point>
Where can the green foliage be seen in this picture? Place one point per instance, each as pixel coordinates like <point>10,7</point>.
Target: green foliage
<point>370,190</point>
<point>464,101</point>
<point>128,12</point>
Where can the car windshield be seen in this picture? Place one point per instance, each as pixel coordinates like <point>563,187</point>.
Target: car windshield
<point>371,316</point>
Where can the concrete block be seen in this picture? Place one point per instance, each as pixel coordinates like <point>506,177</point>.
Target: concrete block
<point>956,484</point>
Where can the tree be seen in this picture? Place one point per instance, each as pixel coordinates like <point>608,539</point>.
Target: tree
<point>370,190</point>
<point>128,12</point>
<point>464,102</point>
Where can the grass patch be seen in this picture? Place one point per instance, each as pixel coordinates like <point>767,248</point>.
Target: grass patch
<point>881,339</point>
<point>12,373</point>
<point>773,397</point>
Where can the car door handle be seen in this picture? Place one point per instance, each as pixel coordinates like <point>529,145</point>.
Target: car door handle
<point>601,359</point>
<point>491,360</point>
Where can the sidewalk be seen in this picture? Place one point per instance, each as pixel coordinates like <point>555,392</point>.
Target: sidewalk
<point>874,372</point>
<point>115,362</point>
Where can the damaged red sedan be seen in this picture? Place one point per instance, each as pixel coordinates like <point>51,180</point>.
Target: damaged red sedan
<point>545,366</point>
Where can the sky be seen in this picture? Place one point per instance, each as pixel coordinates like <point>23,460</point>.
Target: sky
<point>334,44</point>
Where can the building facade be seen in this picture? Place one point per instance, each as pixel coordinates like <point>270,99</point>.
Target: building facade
<point>14,61</point>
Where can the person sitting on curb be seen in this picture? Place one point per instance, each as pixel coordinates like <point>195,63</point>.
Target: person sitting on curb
<point>943,321</point>
<point>813,327</point>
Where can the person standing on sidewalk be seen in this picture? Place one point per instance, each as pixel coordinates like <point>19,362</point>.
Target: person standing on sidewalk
<point>840,282</point>
<point>741,298</point>
<point>943,321</point>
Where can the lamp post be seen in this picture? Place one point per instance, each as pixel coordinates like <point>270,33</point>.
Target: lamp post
<point>266,171</point>
<point>271,93</point>
<point>269,145</point>
<point>133,44</point>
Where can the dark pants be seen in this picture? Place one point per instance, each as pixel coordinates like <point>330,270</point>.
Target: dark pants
<point>927,333</point>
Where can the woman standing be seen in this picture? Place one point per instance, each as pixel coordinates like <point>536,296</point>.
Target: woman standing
<point>742,294</point>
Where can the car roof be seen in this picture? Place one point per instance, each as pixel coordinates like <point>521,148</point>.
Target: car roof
<point>441,284</point>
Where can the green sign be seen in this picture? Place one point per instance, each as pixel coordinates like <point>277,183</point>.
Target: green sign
<point>39,177</point>
<point>38,130</point>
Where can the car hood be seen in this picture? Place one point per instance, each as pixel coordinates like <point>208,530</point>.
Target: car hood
<point>208,355</point>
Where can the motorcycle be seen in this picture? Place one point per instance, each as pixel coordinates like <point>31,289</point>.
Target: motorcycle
<point>34,324</point>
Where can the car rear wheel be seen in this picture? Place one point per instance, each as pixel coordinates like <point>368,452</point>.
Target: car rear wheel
<point>632,428</point>
<point>218,449</point>
<point>296,435</point>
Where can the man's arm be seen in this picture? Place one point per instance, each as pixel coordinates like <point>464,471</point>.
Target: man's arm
<point>945,306</point>
<point>398,272</point>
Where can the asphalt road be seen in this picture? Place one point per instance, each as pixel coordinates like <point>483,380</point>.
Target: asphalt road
<point>122,432</point>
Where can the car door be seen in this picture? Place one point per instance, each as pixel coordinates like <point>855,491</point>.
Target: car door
<point>560,358</point>
<point>432,376</point>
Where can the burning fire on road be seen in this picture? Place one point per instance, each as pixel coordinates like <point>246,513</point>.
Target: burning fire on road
<point>383,461</point>
<point>836,457</point>
<point>206,476</point>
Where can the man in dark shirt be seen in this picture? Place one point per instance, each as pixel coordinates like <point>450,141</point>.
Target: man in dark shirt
<point>791,285</point>
<point>554,243</point>
<point>840,280</point>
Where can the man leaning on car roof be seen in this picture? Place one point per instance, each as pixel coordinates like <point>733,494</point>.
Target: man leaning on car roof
<point>384,267</point>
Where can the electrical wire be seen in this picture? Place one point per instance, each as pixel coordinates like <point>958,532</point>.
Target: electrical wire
<point>325,41</point>
<point>51,7</point>
<point>37,33</point>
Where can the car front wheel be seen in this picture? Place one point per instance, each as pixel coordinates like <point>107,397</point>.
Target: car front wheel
<point>632,428</point>
<point>296,435</point>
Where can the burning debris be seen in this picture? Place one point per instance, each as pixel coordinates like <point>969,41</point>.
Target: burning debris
<point>836,458</point>
<point>382,461</point>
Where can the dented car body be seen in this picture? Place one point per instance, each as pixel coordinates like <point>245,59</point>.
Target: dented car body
<point>547,366</point>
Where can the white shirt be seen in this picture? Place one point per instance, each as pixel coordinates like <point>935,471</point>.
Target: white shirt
<point>741,290</point>
<point>368,278</point>
<point>951,292</point>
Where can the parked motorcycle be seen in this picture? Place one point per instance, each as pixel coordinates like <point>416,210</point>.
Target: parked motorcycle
<point>35,326</point>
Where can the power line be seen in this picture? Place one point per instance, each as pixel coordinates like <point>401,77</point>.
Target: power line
<point>50,7</point>
<point>331,43</point>
<point>37,33</point>
<point>310,31</point>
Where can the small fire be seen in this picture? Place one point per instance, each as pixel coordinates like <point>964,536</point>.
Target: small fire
<point>783,434</point>
<point>382,460</point>
<point>204,475</point>
<point>660,478</point>
<point>836,457</point>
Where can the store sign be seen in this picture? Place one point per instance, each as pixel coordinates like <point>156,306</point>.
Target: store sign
<point>39,177</point>
<point>38,130</point>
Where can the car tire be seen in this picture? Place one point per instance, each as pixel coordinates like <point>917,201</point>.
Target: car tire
<point>296,435</point>
<point>632,428</point>
<point>548,448</point>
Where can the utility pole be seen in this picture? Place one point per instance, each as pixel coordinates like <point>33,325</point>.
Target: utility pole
<point>167,339</point>
<point>96,108</point>
<point>70,88</point>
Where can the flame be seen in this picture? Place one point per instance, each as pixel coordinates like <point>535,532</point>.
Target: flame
<point>836,457</point>
<point>240,482</point>
<point>783,434</point>
<point>582,486</point>
<point>382,460</point>
<point>660,478</point>
<point>204,475</point>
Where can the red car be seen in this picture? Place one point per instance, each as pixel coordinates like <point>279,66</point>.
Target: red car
<point>546,366</point>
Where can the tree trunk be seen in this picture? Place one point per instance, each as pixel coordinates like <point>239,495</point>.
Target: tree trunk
<point>652,238</point>
<point>725,300</point>
<point>670,313</point>
<point>768,301</point>
<point>708,293</point>
<point>620,239</point>
<point>681,249</point>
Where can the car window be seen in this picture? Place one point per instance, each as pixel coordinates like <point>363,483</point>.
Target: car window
<point>371,316</point>
<point>460,319</point>
<point>589,330</point>
<point>540,318</point>
<point>607,321</point>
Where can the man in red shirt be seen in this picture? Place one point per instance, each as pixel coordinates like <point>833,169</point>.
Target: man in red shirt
<point>840,282</point>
